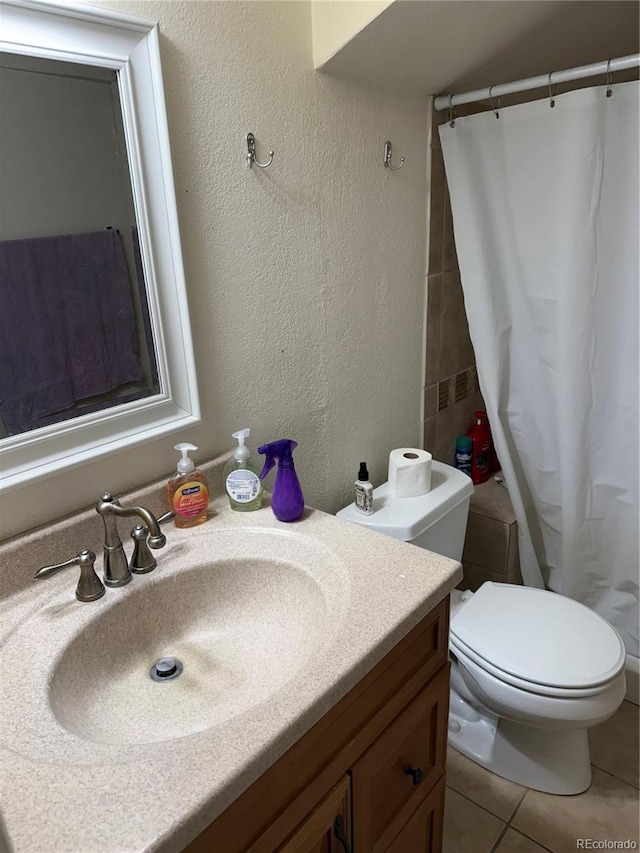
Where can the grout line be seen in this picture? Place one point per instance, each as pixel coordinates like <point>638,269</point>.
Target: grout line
<point>617,778</point>
<point>500,837</point>
<point>529,837</point>
<point>484,809</point>
<point>518,804</point>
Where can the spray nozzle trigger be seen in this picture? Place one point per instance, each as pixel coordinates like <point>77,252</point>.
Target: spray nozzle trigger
<point>282,451</point>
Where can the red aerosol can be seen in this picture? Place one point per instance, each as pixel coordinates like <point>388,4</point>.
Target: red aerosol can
<point>480,435</point>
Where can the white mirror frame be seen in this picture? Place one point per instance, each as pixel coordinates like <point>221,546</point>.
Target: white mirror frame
<point>94,36</point>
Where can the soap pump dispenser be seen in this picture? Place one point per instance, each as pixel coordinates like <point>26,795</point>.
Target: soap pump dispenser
<point>241,481</point>
<point>187,490</point>
<point>287,501</point>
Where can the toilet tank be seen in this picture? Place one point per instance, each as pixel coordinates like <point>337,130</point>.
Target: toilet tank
<point>436,521</point>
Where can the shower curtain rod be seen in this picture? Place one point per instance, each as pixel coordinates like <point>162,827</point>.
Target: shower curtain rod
<point>443,102</point>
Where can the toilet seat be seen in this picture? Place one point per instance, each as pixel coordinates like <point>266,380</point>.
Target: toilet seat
<point>465,654</point>
<point>537,640</point>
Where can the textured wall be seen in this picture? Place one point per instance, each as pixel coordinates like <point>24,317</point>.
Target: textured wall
<point>305,281</point>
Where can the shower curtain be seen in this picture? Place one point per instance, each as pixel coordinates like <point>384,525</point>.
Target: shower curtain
<point>545,208</point>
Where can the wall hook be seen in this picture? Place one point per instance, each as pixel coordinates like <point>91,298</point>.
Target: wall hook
<point>387,158</point>
<point>251,153</point>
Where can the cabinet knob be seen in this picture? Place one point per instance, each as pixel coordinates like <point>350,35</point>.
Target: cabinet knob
<point>340,834</point>
<point>416,775</point>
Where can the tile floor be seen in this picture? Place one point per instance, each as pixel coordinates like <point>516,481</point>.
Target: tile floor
<point>487,814</point>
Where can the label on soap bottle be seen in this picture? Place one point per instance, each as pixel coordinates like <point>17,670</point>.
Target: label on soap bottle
<point>243,485</point>
<point>191,499</point>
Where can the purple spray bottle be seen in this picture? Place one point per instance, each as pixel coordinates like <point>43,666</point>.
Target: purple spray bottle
<point>287,501</point>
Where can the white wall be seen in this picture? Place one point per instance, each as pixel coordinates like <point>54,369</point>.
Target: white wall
<point>335,23</point>
<point>305,281</point>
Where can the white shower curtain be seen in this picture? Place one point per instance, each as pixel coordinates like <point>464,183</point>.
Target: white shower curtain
<point>545,208</point>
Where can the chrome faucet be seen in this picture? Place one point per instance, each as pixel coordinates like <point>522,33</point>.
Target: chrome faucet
<point>89,586</point>
<point>116,567</point>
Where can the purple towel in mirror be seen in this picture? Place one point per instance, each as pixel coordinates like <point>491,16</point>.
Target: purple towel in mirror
<point>67,326</point>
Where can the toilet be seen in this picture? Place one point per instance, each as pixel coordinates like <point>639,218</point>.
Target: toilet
<point>531,670</point>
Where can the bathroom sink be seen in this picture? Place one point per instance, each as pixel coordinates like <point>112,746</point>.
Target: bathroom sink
<point>242,610</point>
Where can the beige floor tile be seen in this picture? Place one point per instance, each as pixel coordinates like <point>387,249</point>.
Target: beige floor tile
<point>467,827</point>
<point>492,792</point>
<point>615,744</point>
<point>608,811</point>
<point>514,842</point>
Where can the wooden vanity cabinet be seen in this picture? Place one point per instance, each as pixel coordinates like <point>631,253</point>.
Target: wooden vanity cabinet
<point>375,762</point>
<point>327,828</point>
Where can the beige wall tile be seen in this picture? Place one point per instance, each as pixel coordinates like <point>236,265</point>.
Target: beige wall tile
<point>607,811</point>
<point>430,400</point>
<point>429,433</point>
<point>475,576</point>
<point>492,499</point>
<point>497,795</point>
<point>513,552</point>
<point>487,543</point>
<point>514,842</point>
<point>436,212</point>
<point>456,350</point>
<point>467,827</point>
<point>449,255</point>
<point>434,311</point>
<point>453,421</point>
<point>515,576</point>
<point>436,120</point>
<point>615,744</point>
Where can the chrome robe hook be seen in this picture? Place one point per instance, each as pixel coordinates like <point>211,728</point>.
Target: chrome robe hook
<point>387,158</point>
<point>251,153</point>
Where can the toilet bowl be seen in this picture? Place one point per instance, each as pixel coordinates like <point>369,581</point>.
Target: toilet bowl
<point>532,670</point>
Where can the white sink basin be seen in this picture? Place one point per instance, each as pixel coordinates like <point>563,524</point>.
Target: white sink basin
<point>242,609</point>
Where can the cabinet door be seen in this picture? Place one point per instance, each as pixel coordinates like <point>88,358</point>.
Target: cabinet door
<point>328,828</point>
<point>398,771</point>
<point>422,833</point>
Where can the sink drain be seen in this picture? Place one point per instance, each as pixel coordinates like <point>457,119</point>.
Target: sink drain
<point>166,669</point>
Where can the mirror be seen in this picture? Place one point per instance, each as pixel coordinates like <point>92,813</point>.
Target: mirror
<point>94,334</point>
<point>70,284</point>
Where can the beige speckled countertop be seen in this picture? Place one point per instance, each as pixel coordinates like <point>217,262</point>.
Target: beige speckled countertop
<point>61,791</point>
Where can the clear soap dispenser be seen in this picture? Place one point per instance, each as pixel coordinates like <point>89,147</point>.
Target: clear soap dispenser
<point>241,481</point>
<point>187,491</point>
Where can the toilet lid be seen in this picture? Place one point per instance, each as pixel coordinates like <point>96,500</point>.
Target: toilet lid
<point>539,636</point>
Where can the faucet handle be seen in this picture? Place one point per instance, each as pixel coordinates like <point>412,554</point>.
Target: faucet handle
<point>90,586</point>
<point>142,560</point>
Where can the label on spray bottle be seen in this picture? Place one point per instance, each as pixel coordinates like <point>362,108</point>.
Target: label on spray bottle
<point>364,498</point>
<point>243,485</point>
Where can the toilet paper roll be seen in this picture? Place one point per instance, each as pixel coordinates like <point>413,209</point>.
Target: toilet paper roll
<point>409,472</point>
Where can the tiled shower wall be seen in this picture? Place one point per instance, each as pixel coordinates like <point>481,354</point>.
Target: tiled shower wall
<point>451,385</point>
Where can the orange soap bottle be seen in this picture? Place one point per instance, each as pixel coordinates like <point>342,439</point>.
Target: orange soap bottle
<point>187,491</point>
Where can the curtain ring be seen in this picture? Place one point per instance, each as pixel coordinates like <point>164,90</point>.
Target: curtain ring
<point>452,121</point>
<point>609,91</point>
<point>496,110</point>
<point>552,93</point>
